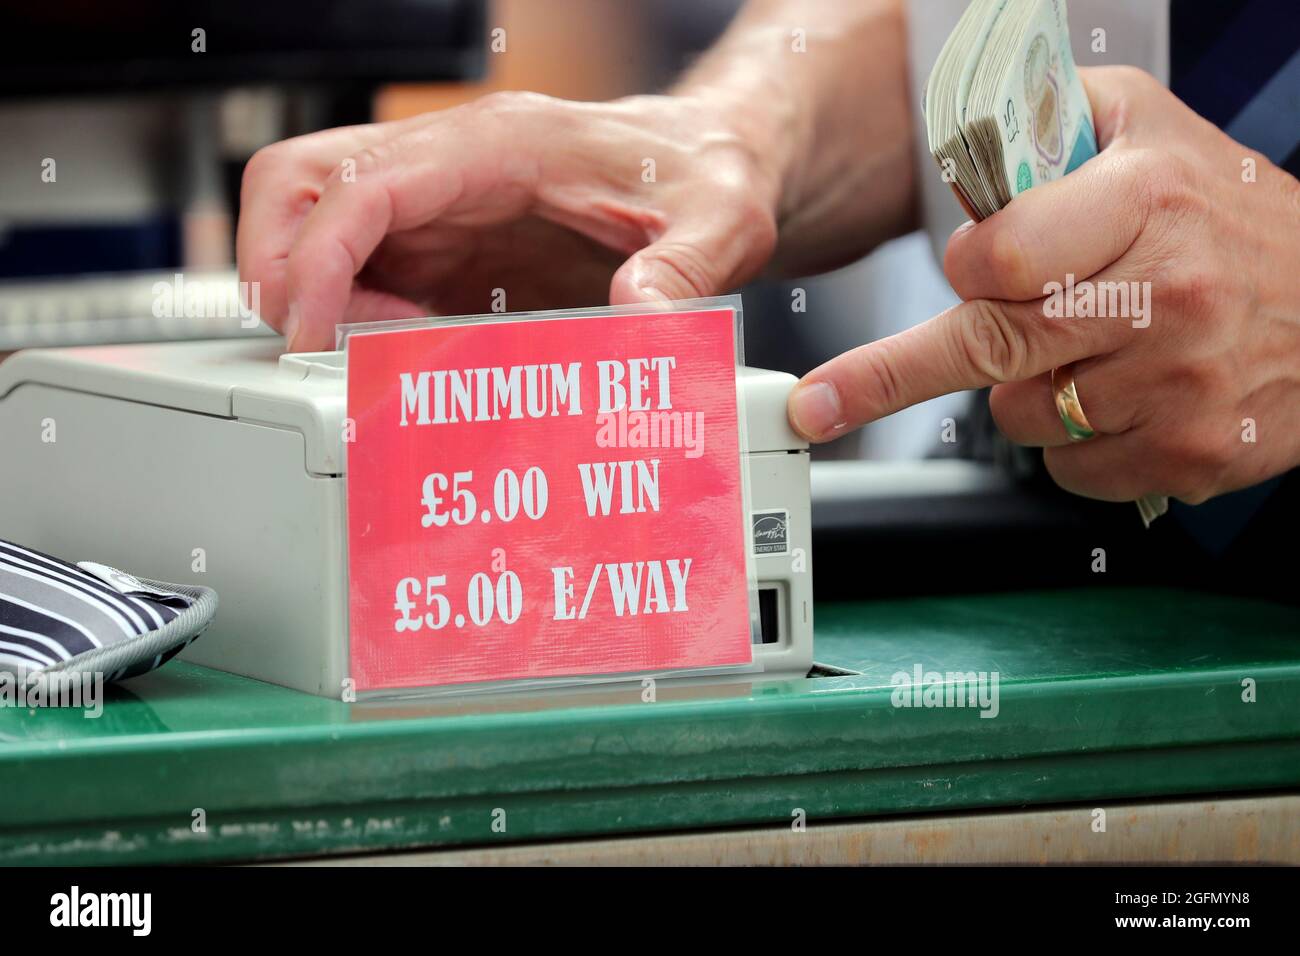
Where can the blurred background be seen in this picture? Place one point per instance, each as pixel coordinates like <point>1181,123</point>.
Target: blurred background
<point>149,126</point>
<point>125,127</point>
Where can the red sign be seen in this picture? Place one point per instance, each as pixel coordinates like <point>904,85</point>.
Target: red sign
<point>545,498</point>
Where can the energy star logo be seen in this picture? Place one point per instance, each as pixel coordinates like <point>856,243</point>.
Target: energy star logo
<point>771,532</point>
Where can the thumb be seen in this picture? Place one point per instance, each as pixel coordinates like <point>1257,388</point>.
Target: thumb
<point>1126,103</point>
<point>697,259</point>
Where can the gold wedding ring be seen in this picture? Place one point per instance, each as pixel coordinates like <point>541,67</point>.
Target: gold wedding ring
<point>1077,426</point>
<point>1068,406</point>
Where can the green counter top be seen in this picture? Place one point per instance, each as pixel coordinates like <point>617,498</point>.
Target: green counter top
<point>1103,695</point>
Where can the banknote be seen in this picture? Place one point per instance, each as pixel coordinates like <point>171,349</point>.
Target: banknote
<point>1005,108</point>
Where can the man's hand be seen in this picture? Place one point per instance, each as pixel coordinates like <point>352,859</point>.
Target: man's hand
<point>1194,390</point>
<point>557,203</point>
<point>570,204</point>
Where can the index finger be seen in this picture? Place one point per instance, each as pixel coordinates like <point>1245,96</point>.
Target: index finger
<point>281,185</point>
<point>973,344</point>
<point>478,167</point>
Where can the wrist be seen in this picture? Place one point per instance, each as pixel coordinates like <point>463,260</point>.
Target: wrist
<point>749,95</point>
<point>823,102</point>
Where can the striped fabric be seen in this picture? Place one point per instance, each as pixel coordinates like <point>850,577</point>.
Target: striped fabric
<point>61,617</point>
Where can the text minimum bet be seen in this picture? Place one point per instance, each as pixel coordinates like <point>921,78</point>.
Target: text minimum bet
<point>642,386</point>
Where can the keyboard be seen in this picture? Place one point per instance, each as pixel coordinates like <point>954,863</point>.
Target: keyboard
<point>136,307</point>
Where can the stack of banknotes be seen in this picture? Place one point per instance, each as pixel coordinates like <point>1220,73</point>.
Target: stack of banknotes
<point>1004,107</point>
<point>1005,110</point>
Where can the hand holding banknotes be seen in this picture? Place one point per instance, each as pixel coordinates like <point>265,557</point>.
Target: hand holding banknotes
<point>1194,390</point>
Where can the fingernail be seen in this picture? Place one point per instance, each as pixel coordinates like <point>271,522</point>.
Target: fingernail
<point>654,298</point>
<point>291,326</point>
<point>816,409</point>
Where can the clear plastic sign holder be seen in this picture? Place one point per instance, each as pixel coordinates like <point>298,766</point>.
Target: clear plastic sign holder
<point>348,333</point>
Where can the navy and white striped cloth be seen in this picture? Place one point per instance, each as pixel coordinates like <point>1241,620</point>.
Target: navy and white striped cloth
<point>57,617</point>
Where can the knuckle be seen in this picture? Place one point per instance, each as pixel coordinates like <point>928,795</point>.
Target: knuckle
<point>1143,164</point>
<point>1198,380</point>
<point>1008,262</point>
<point>758,225</point>
<point>692,268</point>
<point>1055,461</point>
<point>1007,415</point>
<point>1191,487</point>
<point>259,165</point>
<point>366,161</point>
<point>1218,449</point>
<point>727,187</point>
<point>1192,461</point>
<point>992,343</point>
<point>1189,293</point>
<point>1136,78</point>
<point>1204,454</point>
<point>1172,186</point>
<point>507,103</point>
<point>1175,446</point>
<point>881,373</point>
<point>731,186</point>
<point>999,408</point>
<point>1218,456</point>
